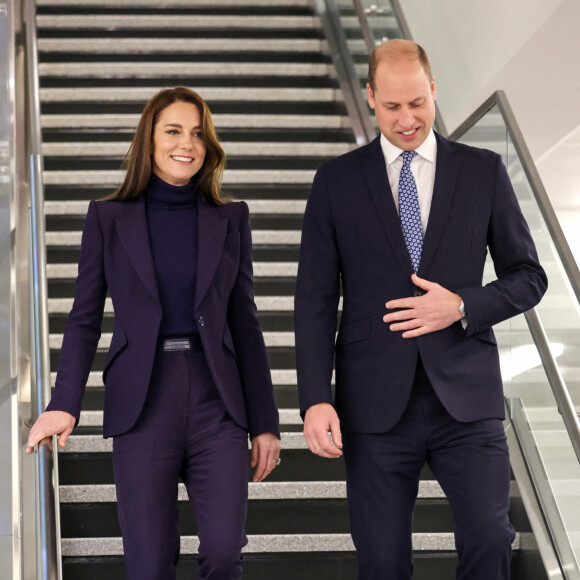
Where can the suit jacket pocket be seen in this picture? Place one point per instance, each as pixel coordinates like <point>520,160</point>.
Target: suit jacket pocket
<point>118,343</point>
<point>354,332</point>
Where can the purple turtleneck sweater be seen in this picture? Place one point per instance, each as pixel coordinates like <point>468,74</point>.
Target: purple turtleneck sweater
<point>172,225</point>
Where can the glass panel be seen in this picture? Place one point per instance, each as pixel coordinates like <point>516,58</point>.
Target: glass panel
<point>382,21</point>
<point>540,429</point>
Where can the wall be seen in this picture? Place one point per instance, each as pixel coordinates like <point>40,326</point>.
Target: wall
<point>527,48</point>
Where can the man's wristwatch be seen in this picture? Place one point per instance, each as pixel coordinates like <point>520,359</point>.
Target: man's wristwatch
<point>462,310</point>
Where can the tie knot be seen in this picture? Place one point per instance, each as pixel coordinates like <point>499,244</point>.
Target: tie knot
<point>408,156</point>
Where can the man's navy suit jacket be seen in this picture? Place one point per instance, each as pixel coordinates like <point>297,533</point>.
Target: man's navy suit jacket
<point>116,257</point>
<point>352,237</point>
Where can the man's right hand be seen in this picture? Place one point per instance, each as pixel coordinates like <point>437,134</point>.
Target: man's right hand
<point>318,421</point>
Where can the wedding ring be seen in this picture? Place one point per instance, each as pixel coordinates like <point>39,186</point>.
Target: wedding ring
<point>277,461</point>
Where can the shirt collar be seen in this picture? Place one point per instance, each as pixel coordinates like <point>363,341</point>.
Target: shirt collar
<point>427,149</point>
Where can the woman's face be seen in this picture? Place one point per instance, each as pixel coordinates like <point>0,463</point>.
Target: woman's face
<point>178,147</point>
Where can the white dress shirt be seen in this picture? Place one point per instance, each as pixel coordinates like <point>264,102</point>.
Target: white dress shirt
<point>422,168</point>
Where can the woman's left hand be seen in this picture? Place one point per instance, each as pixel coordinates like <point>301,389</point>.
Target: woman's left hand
<point>265,454</point>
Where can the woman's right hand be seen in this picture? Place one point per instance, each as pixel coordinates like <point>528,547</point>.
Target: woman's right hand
<point>50,423</point>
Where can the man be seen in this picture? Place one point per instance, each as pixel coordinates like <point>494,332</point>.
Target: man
<point>403,225</point>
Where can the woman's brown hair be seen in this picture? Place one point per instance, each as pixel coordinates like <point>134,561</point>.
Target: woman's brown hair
<point>138,161</point>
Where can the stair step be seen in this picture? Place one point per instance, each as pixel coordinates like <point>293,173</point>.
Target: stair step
<point>259,237</point>
<point>266,543</point>
<point>264,303</point>
<point>154,70</point>
<point>272,339</point>
<point>184,21</point>
<point>210,94</point>
<point>257,206</point>
<point>270,490</point>
<point>95,418</point>
<point>221,121</point>
<point>233,149</point>
<point>261,270</point>
<point>186,45</point>
<point>96,443</point>
<point>115,178</point>
<point>279,377</point>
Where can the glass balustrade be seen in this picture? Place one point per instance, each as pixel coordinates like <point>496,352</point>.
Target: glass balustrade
<point>546,444</point>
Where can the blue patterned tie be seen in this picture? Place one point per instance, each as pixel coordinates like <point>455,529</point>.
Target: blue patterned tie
<point>409,210</point>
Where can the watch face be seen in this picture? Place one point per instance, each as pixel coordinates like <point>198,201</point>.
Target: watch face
<point>462,309</point>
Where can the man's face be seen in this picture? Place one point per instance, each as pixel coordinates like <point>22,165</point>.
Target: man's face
<point>404,102</point>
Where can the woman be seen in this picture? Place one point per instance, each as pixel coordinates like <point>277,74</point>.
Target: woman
<point>186,377</point>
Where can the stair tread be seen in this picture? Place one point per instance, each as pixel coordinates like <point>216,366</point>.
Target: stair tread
<point>276,543</point>
<point>283,490</point>
<point>129,121</point>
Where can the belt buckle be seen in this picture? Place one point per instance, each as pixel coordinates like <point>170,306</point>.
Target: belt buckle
<point>174,344</point>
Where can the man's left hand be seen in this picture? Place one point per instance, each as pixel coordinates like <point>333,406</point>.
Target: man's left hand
<point>438,308</point>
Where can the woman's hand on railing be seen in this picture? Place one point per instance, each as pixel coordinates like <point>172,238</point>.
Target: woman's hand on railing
<point>50,423</point>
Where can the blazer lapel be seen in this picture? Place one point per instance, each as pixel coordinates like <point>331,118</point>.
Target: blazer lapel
<point>212,231</point>
<point>446,173</point>
<point>132,228</point>
<point>375,173</point>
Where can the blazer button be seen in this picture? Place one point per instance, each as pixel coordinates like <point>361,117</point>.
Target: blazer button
<point>201,321</point>
<point>418,292</point>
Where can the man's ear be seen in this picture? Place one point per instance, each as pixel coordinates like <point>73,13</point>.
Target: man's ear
<point>370,96</point>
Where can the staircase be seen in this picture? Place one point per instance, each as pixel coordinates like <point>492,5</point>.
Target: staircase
<point>263,67</point>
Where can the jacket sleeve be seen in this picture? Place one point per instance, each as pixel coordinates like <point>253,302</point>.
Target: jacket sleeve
<point>317,298</point>
<point>83,328</point>
<point>521,281</point>
<point>249,341</point>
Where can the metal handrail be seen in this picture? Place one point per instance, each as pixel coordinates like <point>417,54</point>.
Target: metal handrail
<point>500,100</point>
<point>48,528</point>
<point>367,33</point>
<point>356,106</point>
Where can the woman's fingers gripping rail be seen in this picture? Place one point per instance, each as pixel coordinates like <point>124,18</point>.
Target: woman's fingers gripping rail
<point>48,424</point>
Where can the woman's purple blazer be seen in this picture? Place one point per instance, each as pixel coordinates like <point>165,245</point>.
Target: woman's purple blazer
<point>116,257</point>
